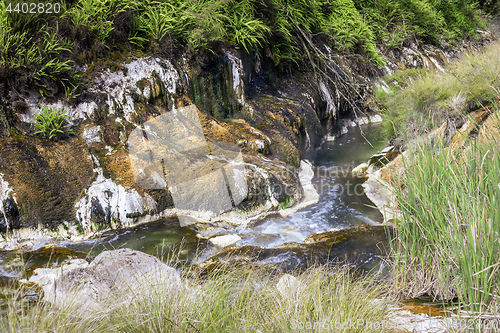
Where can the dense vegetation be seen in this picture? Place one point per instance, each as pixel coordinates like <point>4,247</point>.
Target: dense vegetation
<point>447,244</point>
<point>42,48</point>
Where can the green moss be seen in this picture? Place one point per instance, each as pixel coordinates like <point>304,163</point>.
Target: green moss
<point>113,66</point>
<point>117,56</point>
<point>286,203</point>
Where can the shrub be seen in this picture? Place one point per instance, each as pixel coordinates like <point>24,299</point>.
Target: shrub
<point>290,29</point>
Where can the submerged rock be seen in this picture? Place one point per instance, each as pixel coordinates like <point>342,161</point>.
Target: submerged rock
<point>225,240</point>
<point>357,246</point>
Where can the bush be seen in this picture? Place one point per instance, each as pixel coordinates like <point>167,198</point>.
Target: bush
<point>287,28</point>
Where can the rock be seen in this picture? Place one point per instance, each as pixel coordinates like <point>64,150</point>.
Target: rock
<point>85,184</point>
<point>113,276</point>
<point>382,158</point>
<point>330,138</point>
<point>310,196</point>
<point>225,241</point>
<point>490,129</point>
<point>462,135</point>
<point>378,187</point>
<point>388,149</point>
<point>106,203</point>
<point>350,246</point>
<point>367,120</point>
<point>438,132</point>
<point>376,119</point>
<point>409,321</point>
<point>336,236</point>
<point>45,278</point>
<point>92,134</point>
<point>362,121</point>
<point>289,286</point>
<point>360,170</point>
<point>45,179</point>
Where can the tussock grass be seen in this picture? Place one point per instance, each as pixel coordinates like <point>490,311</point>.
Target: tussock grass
<point>420,100</point>
<point>225,301</point>
<point>447,237</point>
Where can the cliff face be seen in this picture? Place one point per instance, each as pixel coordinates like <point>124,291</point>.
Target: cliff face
<point>84,183</point>
<point>76,186</point>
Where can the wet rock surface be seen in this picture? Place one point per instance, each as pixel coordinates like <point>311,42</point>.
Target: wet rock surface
<point>84,185</point>
<point>357,246</point>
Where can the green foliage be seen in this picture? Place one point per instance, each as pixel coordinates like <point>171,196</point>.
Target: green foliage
<point>246,31</point>
<point>446,241</point>
<point>347,26</point>
<point>51,123</point>
<point>27,42</point>
<point>285,27</point>
<point>416,101</point>
<point>394,21</point>
<point>98,15</point>
<point>156,21</point>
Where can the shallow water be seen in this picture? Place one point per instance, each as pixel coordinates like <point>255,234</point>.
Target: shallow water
<point>342,204</point>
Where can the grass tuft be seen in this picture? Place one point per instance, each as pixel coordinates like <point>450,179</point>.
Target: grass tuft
<point>447,243</point>
<point>416,101</point>
<point>52,123</point>
<point>227,300</point>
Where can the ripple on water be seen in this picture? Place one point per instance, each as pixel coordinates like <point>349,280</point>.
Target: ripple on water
<point>342,203</point>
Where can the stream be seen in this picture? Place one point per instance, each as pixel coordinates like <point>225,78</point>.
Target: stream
<point>342,204</point>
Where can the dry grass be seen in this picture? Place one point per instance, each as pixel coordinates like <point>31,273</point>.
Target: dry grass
<point>225,301</point>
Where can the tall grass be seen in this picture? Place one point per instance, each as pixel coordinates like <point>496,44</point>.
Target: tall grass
<point>224,301</point>
<point>447,238</point>
<point>418,100</point>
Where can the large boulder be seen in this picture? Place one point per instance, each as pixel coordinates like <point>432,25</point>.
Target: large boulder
<point>113,276</point>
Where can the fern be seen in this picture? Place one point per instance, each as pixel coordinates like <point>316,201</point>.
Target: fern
<point>51,123</point>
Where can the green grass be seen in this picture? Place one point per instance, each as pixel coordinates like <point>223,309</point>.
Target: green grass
<point>419,100</point>
<point>227,300</point>
<point>447,243</point>
<point>284,27</point>
<point>51,123</point>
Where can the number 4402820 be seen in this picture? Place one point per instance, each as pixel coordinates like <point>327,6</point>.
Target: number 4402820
<point>34,8</point>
